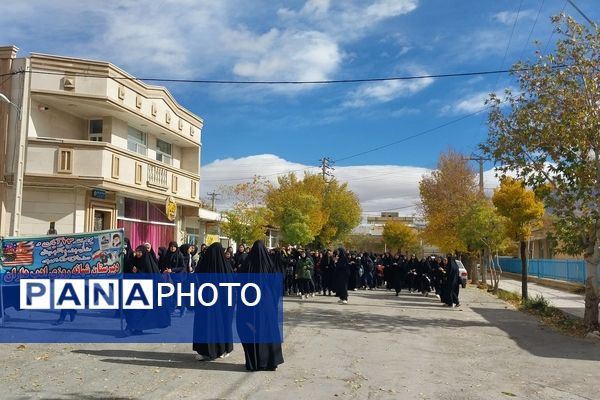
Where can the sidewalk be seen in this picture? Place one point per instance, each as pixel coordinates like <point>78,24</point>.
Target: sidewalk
<point>568,302</point>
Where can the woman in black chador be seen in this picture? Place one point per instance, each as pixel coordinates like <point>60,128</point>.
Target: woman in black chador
<point>327,266</point>
<point>259,356</point>
<point>158,317</point>
<point>451,284</point>
<point>342,275</point>
<point>217,321</point>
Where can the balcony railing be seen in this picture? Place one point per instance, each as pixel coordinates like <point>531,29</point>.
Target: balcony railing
<point>108,164</point>
<point>157,177</point>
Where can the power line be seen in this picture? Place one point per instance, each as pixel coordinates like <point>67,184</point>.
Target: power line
<point>316,82</point>
<point>249,178</point>
<point>554,30</point>
<point>454,121</point>
<point>582,13</point>
<point>393,209</point>
<point>509,40</point>
<point>532,29</point>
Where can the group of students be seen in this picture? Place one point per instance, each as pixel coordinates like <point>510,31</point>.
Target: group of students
<point>338,271</point>
<point>176,263</point>
<point>303,274</point>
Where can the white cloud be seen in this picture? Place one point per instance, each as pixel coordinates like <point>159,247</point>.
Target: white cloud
<point>378,187</point>
<point>508,17</point>
<point>203,38</point>
<point>466,105</point>
<point>473,102</point>
<point>349,19</point>
<point>291,55</point>
<point>385,91</point>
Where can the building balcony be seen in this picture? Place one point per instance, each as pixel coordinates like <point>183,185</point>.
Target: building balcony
<point>102,165</point>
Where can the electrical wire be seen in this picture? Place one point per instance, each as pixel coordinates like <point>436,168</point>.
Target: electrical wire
<point>554,30</point>
<point>426,131</point>
<point>532,28</point>
<point>316,82</point>
<point>393,209</point>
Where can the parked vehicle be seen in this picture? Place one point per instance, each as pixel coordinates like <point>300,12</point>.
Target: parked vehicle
<point>462,272</point>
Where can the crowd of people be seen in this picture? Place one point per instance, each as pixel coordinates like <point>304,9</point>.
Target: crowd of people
<point>325,272</point>
<point>303,273</point>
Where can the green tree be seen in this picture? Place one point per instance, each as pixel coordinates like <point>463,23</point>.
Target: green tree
<point>342,210</point>
<point>246,220</point>
<point>482,228</point>
<point>399,236</point>
<point>548,134</point>
<point>523,211</point>
<point>244,225</point>
<point>312,210</point>
<point>296,228</point>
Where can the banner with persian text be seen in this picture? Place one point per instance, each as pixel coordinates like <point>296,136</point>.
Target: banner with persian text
<point>65,256</point>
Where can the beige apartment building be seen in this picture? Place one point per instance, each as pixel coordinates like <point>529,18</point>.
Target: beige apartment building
<point>85,145</point>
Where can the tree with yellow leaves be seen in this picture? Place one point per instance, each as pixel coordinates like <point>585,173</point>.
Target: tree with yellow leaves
<point>399,236</point>
<point>446,196</point>
<point>523,212</point>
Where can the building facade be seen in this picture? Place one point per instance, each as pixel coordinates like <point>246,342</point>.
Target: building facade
<point>87,147</point>
<point>375,224</point>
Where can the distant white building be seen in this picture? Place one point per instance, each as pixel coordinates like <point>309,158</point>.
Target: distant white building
<point>89,147</point>
<point>375,224</point>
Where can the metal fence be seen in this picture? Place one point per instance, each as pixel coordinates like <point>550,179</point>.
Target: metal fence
<point>564,270</point>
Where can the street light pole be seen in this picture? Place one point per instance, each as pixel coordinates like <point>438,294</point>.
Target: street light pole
<point>19,156</point>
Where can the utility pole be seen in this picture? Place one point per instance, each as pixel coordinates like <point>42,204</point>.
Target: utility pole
<point>485,257</point>
<point>213,197</point>
<point>479,159</point>
<point>326,168</point>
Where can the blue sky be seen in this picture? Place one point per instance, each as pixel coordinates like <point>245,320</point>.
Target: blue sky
<point>252,129</point>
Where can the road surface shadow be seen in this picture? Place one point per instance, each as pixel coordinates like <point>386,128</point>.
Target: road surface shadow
<point>341,318</point>
<point>161,360</point>
<point>526,331</point>
<point>88,396</point>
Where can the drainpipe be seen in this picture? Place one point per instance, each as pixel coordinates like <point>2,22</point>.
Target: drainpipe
<point>19,169</point>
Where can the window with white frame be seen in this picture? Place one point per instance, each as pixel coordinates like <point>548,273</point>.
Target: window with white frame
<point>95,130</point>
<point>136,141</point>
<point>163,152</point>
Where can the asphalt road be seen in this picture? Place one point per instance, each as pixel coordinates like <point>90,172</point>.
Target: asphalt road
<point>377,347</point>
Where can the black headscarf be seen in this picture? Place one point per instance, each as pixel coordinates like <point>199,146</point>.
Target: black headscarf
<point>162,251</point>
<point>173,259</point>
<point>258,260</point>
<point>213,261</point>
<point>342,259</point>
<point>127,256</point>
<point>279,261</point>
<point>145,264</point>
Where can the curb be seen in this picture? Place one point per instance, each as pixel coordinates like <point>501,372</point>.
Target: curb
<point>552,283</point>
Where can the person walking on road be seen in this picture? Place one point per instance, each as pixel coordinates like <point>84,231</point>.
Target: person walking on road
<point>342,274</point>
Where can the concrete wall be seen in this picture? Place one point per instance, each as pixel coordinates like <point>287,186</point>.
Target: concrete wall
<point>41,206</point>
<point>56,124</point>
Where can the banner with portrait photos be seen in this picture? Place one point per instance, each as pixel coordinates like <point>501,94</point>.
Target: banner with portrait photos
<point>62,256</point>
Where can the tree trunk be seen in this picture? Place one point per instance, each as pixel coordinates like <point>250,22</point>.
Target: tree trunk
<point>484,266</point>
<point>523,269</point>
<point>592,290</point>
<point>473,272</point>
